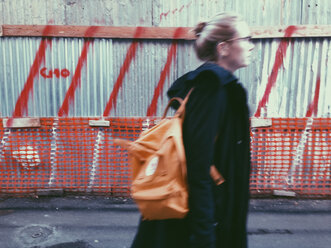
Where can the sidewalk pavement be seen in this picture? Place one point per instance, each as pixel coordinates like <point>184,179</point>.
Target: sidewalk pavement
<point>105,222</point>
<point>287,205</point>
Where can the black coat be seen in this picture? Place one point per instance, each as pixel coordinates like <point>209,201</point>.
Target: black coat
<point>215,131</point>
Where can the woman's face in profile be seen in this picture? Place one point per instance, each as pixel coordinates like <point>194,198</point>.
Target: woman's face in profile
<point>240,48</point>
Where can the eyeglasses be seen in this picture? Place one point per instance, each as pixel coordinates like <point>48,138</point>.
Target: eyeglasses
<point>247,38</point>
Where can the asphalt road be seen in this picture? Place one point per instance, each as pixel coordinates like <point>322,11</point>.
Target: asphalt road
<point>101,222</point>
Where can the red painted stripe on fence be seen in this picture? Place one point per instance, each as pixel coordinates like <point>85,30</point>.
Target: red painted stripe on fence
<point>279,60</point>
<point>76,79</point>
<point>130,55</point>
<point>151,111</point>
<point>21,106</point>
<point>313,106</point>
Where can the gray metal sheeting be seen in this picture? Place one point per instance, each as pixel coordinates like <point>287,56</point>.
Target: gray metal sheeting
<point>162,12</point>
<point>306,58</point>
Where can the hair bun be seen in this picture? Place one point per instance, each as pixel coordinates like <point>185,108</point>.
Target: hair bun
<point>199,28</point>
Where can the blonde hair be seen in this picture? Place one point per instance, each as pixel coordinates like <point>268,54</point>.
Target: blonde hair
<point>219,28</point>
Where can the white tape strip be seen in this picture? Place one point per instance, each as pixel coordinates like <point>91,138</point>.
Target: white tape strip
<point>298,159</point>
<point>53,151</point>
<point>3,143</point>
<point>96,155</point>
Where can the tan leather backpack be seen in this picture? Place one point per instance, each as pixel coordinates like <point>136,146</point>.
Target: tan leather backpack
<point>159,177</point>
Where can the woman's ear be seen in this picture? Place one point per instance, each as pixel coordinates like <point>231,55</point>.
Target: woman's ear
<point>223,49</point>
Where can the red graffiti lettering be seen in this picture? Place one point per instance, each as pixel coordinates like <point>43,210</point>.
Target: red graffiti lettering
<point>57,73</point>
<point>64,73</point>
<point>43,73</point>
<point>165,14</point>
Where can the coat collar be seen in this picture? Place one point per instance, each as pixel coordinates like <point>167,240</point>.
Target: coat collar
<point>183,84</point>
<point>224,76</point>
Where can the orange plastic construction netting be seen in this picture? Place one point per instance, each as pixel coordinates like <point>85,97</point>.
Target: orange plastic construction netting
<point>292,154</point>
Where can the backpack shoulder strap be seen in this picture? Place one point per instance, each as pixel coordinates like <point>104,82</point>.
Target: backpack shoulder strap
<point>178,99</point>
<point>181,110</point>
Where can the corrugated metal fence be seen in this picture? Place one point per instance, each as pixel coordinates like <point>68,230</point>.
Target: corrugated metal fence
<point>55,78</point>
<point>305,69</point>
